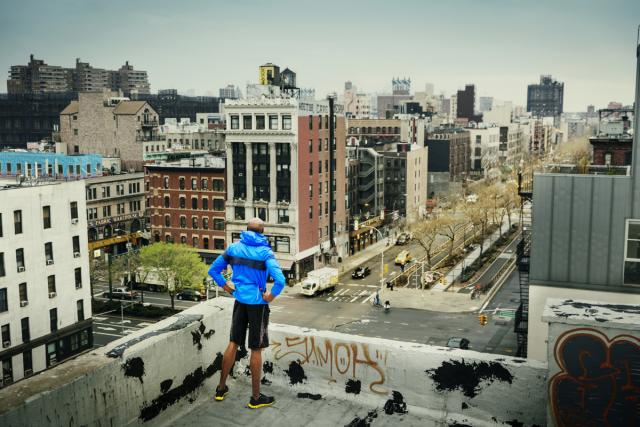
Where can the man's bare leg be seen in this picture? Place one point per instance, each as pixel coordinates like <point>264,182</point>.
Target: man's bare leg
<point>256,371</point>
<point>227,362</point>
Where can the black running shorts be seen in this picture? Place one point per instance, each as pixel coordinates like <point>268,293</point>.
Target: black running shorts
<point>256,318</point>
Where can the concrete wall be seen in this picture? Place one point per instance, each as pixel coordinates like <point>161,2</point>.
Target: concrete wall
<point>167,369</point>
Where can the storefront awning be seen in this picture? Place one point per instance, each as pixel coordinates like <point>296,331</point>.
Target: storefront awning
<point>285,264</point>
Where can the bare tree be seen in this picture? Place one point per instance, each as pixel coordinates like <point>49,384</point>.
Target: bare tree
<point>451,227</point>
<point>426,233</point>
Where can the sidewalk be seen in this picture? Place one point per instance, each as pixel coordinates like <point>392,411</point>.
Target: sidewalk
<point>363,256</point>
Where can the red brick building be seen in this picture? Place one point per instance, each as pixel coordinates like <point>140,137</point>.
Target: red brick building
<point>186,203</point>
<point>611,151</point>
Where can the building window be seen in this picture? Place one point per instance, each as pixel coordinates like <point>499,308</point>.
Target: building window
<point>218,204</point>
<point>286,122</point>
<point>273,122</point>
<point>194,203</point>
<point>7,371</point>
<point>17,222</point>
<point>183,202</point>
<point>46,216</point>
<point>218,224</point>
<point>235,122</point>
<point>310,212</point>
<point>75,242</point>
<point>53,319</point>
<point>205,223</point>
<point>205,243</point>
<point>260,213</point>
<point>260,122</point>
<point>183,221</point>
<point>167,201</point>
<point>183,239</point>
<point>48,252</point>
<point>78,277</point>
<point>73,206</point>
<point>120,208</point>
<point>246,122</point>
<point>181,183</point>
<point>204,184</point>
<point>194,241</point>
<point>165,182</point>
<point>205,204</point>
<point>310,168</point>
<point>20,259</point>
<point>283,216</point>
<point>2,271</point>
<point>194,222</point>
<point>51,283</point>
<point>106,211</point>
<point>218,244</point>
<point>194,183</point>
<point>218,185</point>
<point>6,335</point>
<point>239,212</point>
<point>106,192</point>
<point>235,237</point>
<point>22,293</point>
<point>4,305</point>
<point>310,146</point>
<point>632,253</point>
<point>24,326</point>
<point>27,363</point>
<point>167,220</point>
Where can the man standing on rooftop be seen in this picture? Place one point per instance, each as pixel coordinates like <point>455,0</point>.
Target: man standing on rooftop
<point>251,260</point>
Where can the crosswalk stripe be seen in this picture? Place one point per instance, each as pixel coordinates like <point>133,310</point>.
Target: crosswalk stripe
<point>354,298</point>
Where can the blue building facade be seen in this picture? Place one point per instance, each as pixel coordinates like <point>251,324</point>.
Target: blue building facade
<point>52,165</point>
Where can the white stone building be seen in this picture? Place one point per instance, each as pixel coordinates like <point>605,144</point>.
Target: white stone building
<point>45,294</point>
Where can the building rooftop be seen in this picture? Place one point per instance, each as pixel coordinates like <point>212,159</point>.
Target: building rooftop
<point>128,107</point>
<point>72,108</point>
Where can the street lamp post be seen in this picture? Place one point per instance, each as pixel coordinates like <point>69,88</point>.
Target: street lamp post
<point>381,255</point>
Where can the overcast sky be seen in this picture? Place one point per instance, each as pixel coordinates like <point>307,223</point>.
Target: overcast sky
<point>500,45</point>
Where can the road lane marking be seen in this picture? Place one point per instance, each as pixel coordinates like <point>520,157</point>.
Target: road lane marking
<point>99,318</point>
<point>370,297</point>
<point>354,298</point>
<point>107,334</point>
<point>105,328</point>
<point>144,324</point>
<point>341,291</point>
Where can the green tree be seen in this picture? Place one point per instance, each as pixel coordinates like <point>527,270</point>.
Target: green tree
<point>177,266</point>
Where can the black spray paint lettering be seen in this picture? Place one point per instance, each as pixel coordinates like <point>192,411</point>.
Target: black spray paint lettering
<point>464,376</point>
<point>353,386</point>
<point>364,422</point>
<point>189,385</point>
<point>134,367</point>
<point>296,373</point>
<point>395,405</point>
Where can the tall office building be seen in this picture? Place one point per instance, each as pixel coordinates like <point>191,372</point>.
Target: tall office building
<point>545,99</point>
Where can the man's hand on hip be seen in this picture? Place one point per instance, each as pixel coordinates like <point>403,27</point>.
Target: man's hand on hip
<point>268,296</point>
<point>228,287</point>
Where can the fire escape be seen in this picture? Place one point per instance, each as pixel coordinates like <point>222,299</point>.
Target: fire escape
<point>525,191</point>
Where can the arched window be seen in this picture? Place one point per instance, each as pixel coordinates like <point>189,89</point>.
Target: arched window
<point>167,201</point>
<point>183,240</point>
<point>194,222</point>
<point>194,203</point>
<point>167,220</point>
<point>195,241</point>
<point>181,183</point>
<point>205,204</point>
<point>166,182</point>
<point>183,221</point>
<point>183,202</point>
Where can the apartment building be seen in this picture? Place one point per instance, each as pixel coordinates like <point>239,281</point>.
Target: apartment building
<point>370,131</point>
<point>110,125</point>
<point>449,158</point>
<point>45,296</point>
<point>186,203</point>
<point>115,212</point>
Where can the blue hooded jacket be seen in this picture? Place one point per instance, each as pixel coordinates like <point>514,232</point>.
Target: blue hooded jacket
<point>251,260</point>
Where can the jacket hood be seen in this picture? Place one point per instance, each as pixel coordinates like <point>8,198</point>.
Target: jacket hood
<point>252,238</point>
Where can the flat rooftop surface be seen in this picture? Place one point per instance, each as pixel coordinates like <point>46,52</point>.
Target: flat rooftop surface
<point>289,410</point>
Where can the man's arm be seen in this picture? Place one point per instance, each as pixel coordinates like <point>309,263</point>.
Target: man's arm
<point>215,271</point>
<point>274,270</point>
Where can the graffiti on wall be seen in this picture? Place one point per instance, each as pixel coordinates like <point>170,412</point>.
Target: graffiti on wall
<point>598,382</point>
<point>338,358</point>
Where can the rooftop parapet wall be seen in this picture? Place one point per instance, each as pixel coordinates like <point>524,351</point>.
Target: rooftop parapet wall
<point>594,363</point>
<point>158,371</point>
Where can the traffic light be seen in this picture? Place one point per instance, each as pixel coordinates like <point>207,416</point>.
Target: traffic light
<point>483,319</point>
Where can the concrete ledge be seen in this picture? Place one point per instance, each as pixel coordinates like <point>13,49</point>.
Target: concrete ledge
<point>156,374</point>
<point>151,370</point>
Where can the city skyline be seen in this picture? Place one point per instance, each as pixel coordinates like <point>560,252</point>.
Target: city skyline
<point>207,46</point>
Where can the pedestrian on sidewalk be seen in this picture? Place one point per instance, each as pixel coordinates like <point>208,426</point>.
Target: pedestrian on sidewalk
<point>251,260</point>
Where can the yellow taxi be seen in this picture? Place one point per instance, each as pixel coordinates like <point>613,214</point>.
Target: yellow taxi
<point>403,258</point>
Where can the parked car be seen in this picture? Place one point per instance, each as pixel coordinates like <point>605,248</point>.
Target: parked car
<point>361,272</point>
<point>403,239</point>
<point>190,295</point>
<point>457,342</point>
<point>121,293</point>
<point>403,258</point>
